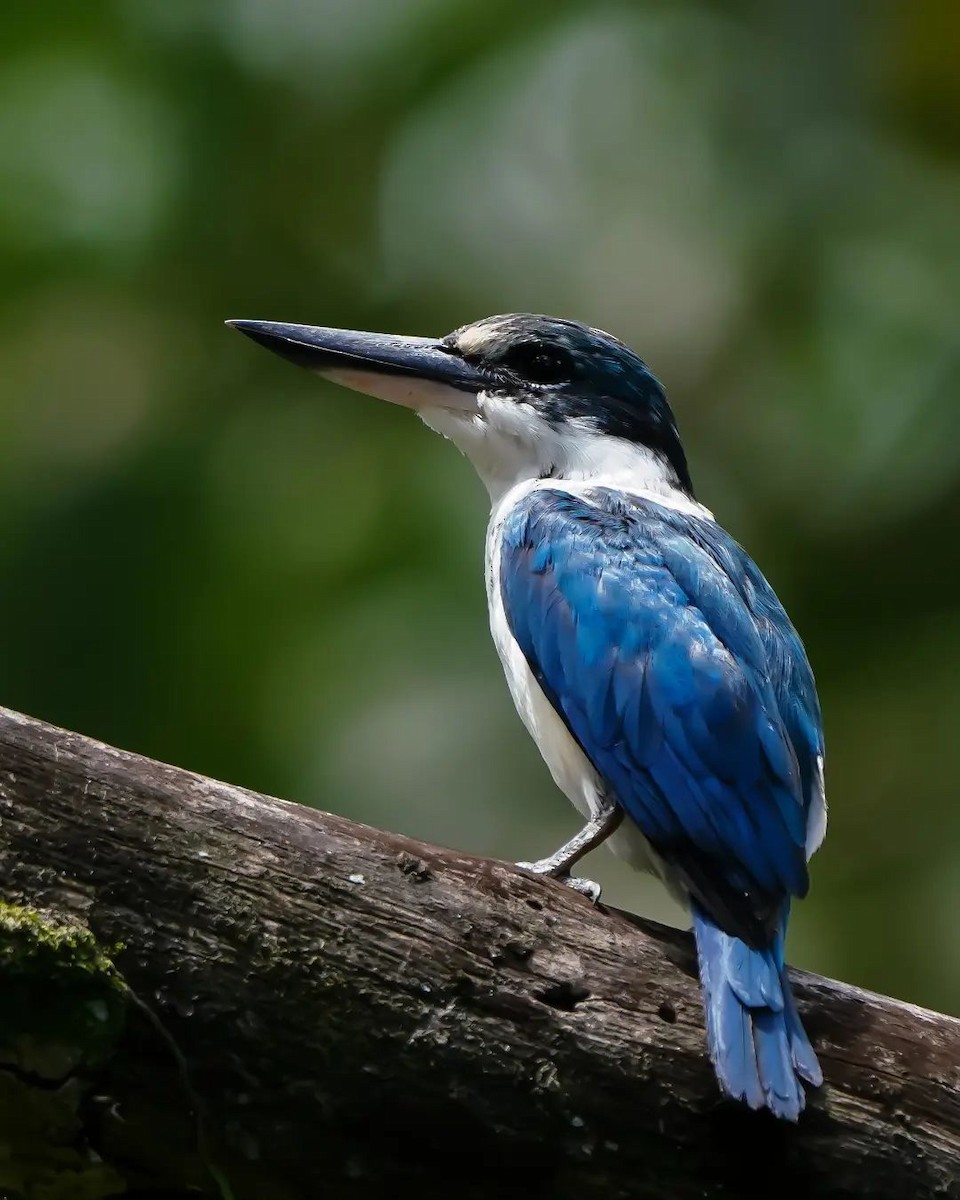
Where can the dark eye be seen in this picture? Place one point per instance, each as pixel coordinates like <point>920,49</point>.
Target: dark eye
<point>538,363</point>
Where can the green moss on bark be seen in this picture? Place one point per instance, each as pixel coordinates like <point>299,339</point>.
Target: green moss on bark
<point>62,1000</point>
<point>62,1005</point>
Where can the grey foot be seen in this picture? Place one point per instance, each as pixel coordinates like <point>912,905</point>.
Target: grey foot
<point>546,866</point>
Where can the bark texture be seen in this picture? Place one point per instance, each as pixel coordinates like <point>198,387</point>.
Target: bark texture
<point>208,992</point>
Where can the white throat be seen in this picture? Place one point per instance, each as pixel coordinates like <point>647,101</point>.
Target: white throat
<point>510,443</point>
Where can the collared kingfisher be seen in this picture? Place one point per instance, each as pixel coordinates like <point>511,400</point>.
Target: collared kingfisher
<point>648,657</point>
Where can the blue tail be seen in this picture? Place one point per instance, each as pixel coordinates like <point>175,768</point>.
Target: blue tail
<point>759,1049</point>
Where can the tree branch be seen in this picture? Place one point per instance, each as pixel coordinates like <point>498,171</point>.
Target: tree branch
<point>347,1010</point>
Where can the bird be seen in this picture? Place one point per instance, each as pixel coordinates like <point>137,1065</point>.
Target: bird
<point>653,665</point>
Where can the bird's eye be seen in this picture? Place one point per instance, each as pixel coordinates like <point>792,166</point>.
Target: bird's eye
<point>538,363</point>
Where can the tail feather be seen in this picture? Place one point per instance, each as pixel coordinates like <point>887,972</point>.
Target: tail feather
<point>759,1049</point>
<point>801,1052</point>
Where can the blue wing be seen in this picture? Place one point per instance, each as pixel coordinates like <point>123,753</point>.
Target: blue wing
<point>676,669</point>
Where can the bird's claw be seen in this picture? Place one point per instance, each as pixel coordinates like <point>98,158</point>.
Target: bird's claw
<point>586,887</point>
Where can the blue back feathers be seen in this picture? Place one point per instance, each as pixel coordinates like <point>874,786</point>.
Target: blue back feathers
<point>676,669</point>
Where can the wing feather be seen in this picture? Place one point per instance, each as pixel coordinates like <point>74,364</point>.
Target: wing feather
<point>676,669</point>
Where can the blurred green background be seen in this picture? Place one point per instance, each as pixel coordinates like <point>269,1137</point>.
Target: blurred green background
<point>212,558</point>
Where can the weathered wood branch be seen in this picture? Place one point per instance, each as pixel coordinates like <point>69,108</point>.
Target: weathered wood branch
<point>349,1011</point>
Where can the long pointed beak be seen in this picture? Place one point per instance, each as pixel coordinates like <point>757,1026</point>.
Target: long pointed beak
<point>412,371</point>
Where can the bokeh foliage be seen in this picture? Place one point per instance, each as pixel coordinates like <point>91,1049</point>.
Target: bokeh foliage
<point>211,558</point>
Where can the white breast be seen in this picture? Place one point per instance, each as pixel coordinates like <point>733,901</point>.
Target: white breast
<point>568,765</point>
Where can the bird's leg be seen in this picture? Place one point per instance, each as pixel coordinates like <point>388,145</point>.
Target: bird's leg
<point>597,830</point>
<point>558,865</point>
